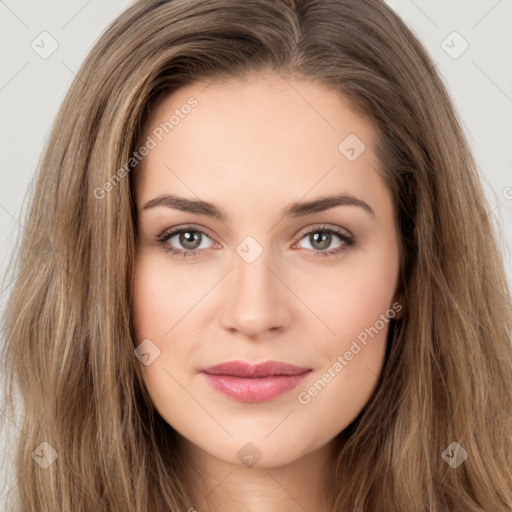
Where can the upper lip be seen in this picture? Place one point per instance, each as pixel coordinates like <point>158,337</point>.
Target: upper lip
<point>244,369</point>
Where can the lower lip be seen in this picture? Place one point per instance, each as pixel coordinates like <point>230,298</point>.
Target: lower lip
<point>254,389</point>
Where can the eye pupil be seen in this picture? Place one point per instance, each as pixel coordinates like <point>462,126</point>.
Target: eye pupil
<point>324,239</point>
<point>190,239</point>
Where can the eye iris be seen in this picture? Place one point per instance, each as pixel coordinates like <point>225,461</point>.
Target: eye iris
<point>190,239</point>
<point>322,237</point>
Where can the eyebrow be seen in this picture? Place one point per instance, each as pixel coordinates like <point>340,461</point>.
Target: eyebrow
<point>297,209</point>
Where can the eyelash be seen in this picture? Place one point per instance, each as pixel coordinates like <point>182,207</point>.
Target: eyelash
<point>166,235</point>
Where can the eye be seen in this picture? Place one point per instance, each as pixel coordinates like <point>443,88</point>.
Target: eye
<point>192,240</point>
<point>322,237</point>
<point>188,242</point>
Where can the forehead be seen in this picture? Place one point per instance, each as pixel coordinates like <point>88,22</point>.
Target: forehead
<point>261,135</point>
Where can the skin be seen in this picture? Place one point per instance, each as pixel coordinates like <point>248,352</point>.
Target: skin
<point>252,147</point>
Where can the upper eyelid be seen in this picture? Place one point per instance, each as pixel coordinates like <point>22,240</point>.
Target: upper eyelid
<point>326,227</point>
<point>170,232</point>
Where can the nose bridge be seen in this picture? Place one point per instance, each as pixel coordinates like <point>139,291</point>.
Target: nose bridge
<point>252,272</point>
<point>255,301</point>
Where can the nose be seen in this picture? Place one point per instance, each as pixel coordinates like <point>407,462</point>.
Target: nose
<point>256,301</point>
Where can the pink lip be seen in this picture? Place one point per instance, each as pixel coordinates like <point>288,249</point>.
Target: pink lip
<point>254,382</point>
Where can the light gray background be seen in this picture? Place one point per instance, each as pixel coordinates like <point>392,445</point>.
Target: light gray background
<point>32,88</point>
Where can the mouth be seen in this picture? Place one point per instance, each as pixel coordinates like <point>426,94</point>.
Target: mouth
<point>254,382</point>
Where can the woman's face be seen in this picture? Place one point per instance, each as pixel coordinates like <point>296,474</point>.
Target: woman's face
<point>266,267</point>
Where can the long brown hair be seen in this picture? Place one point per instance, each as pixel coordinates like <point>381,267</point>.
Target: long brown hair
<point>69,340</point>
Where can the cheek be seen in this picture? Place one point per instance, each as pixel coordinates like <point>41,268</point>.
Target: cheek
<point>357,306</point>
<point>158,314</point>
<point>351,299</point>
<point>162,296</point>
<point>355,302</point>
<point>159,307</point>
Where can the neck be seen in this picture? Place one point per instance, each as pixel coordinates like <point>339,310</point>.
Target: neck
<point>297,486</point>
